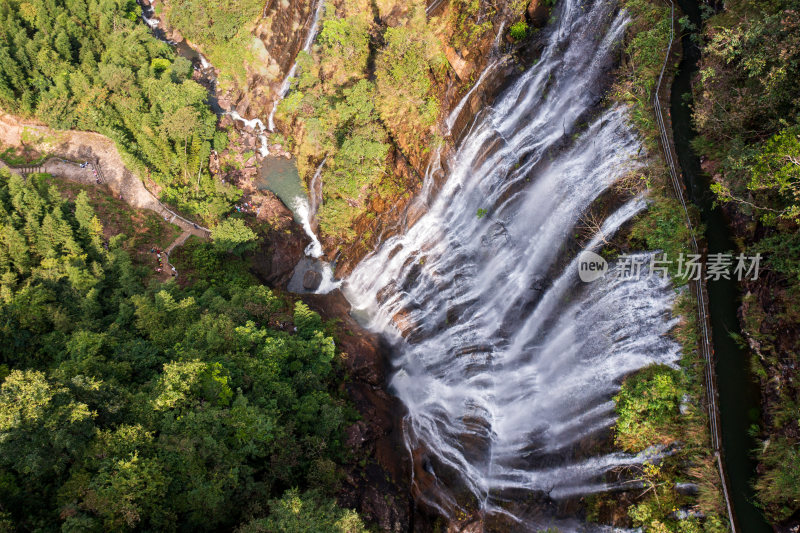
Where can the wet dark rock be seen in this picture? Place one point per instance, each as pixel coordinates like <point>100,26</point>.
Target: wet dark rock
<point>356,435</point>
<point>377,484</point>
<point>311,280</point>
<point>282,246</point>
<point>687,489</point>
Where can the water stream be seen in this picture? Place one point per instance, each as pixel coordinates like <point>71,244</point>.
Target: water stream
<point>277,174</point>
<point>739,398</point>
<point>287,81</point>
<point>505,360</point>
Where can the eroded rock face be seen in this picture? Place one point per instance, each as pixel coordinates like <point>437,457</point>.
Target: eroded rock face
<point>377,482</point>
<point>281,247</point>
<point>538,13</point>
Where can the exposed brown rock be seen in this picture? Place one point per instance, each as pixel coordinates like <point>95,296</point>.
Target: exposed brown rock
<point>538,13</point>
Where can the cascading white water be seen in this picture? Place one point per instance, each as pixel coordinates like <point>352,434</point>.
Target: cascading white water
<point>306,211</point>
<point>506,361</point>
<point>256,125</point>
<point>315,189</point>
<point>287,81</point>
<point>301,209</point>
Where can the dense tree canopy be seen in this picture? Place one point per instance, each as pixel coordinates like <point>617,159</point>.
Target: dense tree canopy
<point>92,65</point>
<point>353,110</point>
<point>151,408</point>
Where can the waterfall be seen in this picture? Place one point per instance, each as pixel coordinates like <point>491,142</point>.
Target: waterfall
<point>306,210</point>
<point>505,360</point>
<point>315,190</point>
<point>287,81</point>
<point>313,259</point>
<point>499,35</point>
<point>301,208</point>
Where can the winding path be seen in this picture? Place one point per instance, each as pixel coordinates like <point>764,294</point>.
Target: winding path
<point>72,148</point>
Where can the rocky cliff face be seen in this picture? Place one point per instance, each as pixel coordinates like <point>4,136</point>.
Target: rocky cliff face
<point>475,74</point>
<point>281,31</point>
<point>277,36</point>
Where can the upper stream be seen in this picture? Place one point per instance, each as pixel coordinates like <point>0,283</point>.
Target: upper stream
<point>505,360</point>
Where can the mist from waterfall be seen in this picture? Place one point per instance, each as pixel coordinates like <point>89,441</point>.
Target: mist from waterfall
<point>505,360</point>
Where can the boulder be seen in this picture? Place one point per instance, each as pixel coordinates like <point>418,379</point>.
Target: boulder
<point>687,489</point>
<point>311,280</point>
<point>538,13</point>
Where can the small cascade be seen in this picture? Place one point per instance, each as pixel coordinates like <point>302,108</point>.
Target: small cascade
<point>313,262</point>
<point>287,82</point>
<point>258,126</point>
<point>451,119</point>
<point>148,16</point>
<point>499,35</point>
<point>305,210</point>
<point>302,210</point>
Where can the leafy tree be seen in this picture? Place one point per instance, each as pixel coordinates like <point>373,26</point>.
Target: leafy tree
<point>518,30</point>
<point>308,512</point>
<point>92,65</point>
<point>647,403</point>
<point>233,235</point>
<point>404,70</point>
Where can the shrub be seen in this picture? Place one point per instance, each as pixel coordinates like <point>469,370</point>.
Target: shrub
<point>518,30</point>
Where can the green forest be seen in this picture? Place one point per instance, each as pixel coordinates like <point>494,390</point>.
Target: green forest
<point>127,405</point>
<point>92,65</point>
<point>747,112</point>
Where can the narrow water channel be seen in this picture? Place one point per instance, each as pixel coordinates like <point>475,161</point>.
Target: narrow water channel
<point>739,399</point>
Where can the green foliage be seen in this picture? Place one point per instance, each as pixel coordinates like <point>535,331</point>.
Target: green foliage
<point>337,106</point>
<point>748,114</point>
<point>783,253</point>
<point>780,484</point>
<point>232,235</point>
<point>221,28</point>
<point>404,68</point>
<point>309,512</point>
<point>647,40</point>
<point>219,22</point>
<point>92,65</point>
<point>127,407</point>
<point>747,107</point>
<point>352,109</point>
<point>481,213</point>
<point>470,20</point>
<point>345,43</point>
<point>663,227</point>
<point>647,405</point>
<point>518,30</point>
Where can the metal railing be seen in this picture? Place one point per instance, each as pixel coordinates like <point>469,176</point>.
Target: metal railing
<point>30,169</point>
<point>699,286</point>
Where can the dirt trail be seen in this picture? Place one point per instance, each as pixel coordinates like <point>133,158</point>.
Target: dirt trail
<point>69,149</point>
